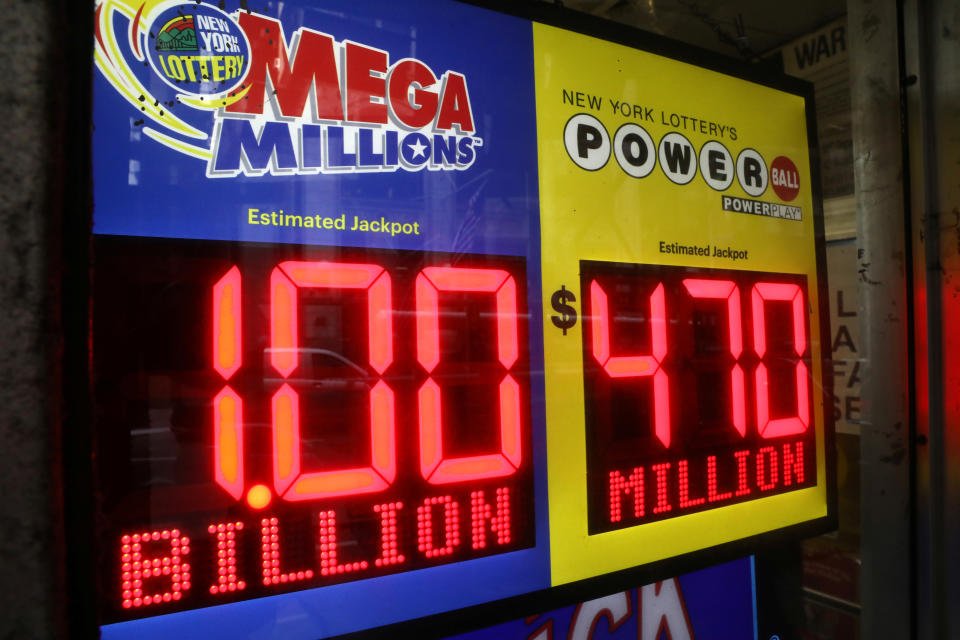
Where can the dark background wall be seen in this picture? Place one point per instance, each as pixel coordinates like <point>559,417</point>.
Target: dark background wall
<point>32,161</point>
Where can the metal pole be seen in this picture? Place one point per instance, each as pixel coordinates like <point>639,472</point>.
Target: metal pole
<point>939,485</point>
<point>886,514</point>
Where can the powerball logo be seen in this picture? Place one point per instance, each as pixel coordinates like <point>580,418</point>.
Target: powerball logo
<point>281,104</point>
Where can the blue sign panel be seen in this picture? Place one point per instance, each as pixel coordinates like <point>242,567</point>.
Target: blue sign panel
<point>372,137</point>
<point>275,166</point>
<point>716,603</point>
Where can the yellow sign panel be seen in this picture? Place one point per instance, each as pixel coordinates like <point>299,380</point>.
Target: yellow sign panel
<point>677,217</point>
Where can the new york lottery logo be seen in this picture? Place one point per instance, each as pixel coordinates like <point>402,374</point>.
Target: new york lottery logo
<point>198,50</point>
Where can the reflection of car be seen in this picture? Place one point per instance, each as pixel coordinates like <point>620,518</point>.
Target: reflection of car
<point>320,369</point>
<point>333,394</point>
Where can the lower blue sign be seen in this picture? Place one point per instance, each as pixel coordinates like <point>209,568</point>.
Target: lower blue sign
<point>717,603</point>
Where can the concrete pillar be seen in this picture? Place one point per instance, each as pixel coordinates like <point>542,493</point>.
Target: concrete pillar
<point>31,578</point>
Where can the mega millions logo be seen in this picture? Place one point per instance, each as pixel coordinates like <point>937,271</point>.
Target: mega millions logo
<point>246,98</point>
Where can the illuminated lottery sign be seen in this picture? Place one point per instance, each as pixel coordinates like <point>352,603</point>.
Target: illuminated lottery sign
<point>685,408</point>
<point>385,327</point>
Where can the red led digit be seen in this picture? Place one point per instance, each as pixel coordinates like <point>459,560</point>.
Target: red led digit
<point>636,366</point>
<point>226,534</point>
<point>289,480</point>
<point>764,292</point>
<point>283,323</point>
<point>137,569</point>
<point>227,405</point>
<point>436,468</point>
<point>286,438</point>
<point>729,291</point>
<point>259,496</point>
<point>227,334</point>
<point>228,441</point>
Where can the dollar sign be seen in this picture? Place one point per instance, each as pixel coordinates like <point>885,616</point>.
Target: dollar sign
<point>568,315</point>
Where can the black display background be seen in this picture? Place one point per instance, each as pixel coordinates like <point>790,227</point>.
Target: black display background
<point>619,411</point>
<point>154,384</point>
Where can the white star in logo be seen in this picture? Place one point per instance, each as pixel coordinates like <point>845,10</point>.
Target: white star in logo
<point>418,149</point>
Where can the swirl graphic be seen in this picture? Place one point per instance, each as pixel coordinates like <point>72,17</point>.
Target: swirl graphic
<point>112,56</point>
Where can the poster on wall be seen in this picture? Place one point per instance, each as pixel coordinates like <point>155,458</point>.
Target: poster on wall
<point>383,314</point>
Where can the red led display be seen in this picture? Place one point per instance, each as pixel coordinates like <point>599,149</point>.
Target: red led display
<point>279,418</point>
<point>697,390</point>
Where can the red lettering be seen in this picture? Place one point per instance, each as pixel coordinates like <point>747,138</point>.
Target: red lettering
<point>481,513</point>
<point>426,541</point>
<point>663,497</point>
<point>712,494</point>
<point>226,534</point>
<point>313,62</point>
<point>154,569</point>
<point>136,569</point>
<point>685,500</point>
<point>455,105</point>
<point>793,463</point>
<point>743,486</point>
<point>329,563</point>
<point>388,535</point>
<point>362,85</point>
<point>417,110</point>
<point>756,470</point>
<point>619,486</point>
<point>371,93</point>
<point>765,483</point>
<point>270,554</point>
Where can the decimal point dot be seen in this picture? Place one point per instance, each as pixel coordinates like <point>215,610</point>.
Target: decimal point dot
<point>259,496</point>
